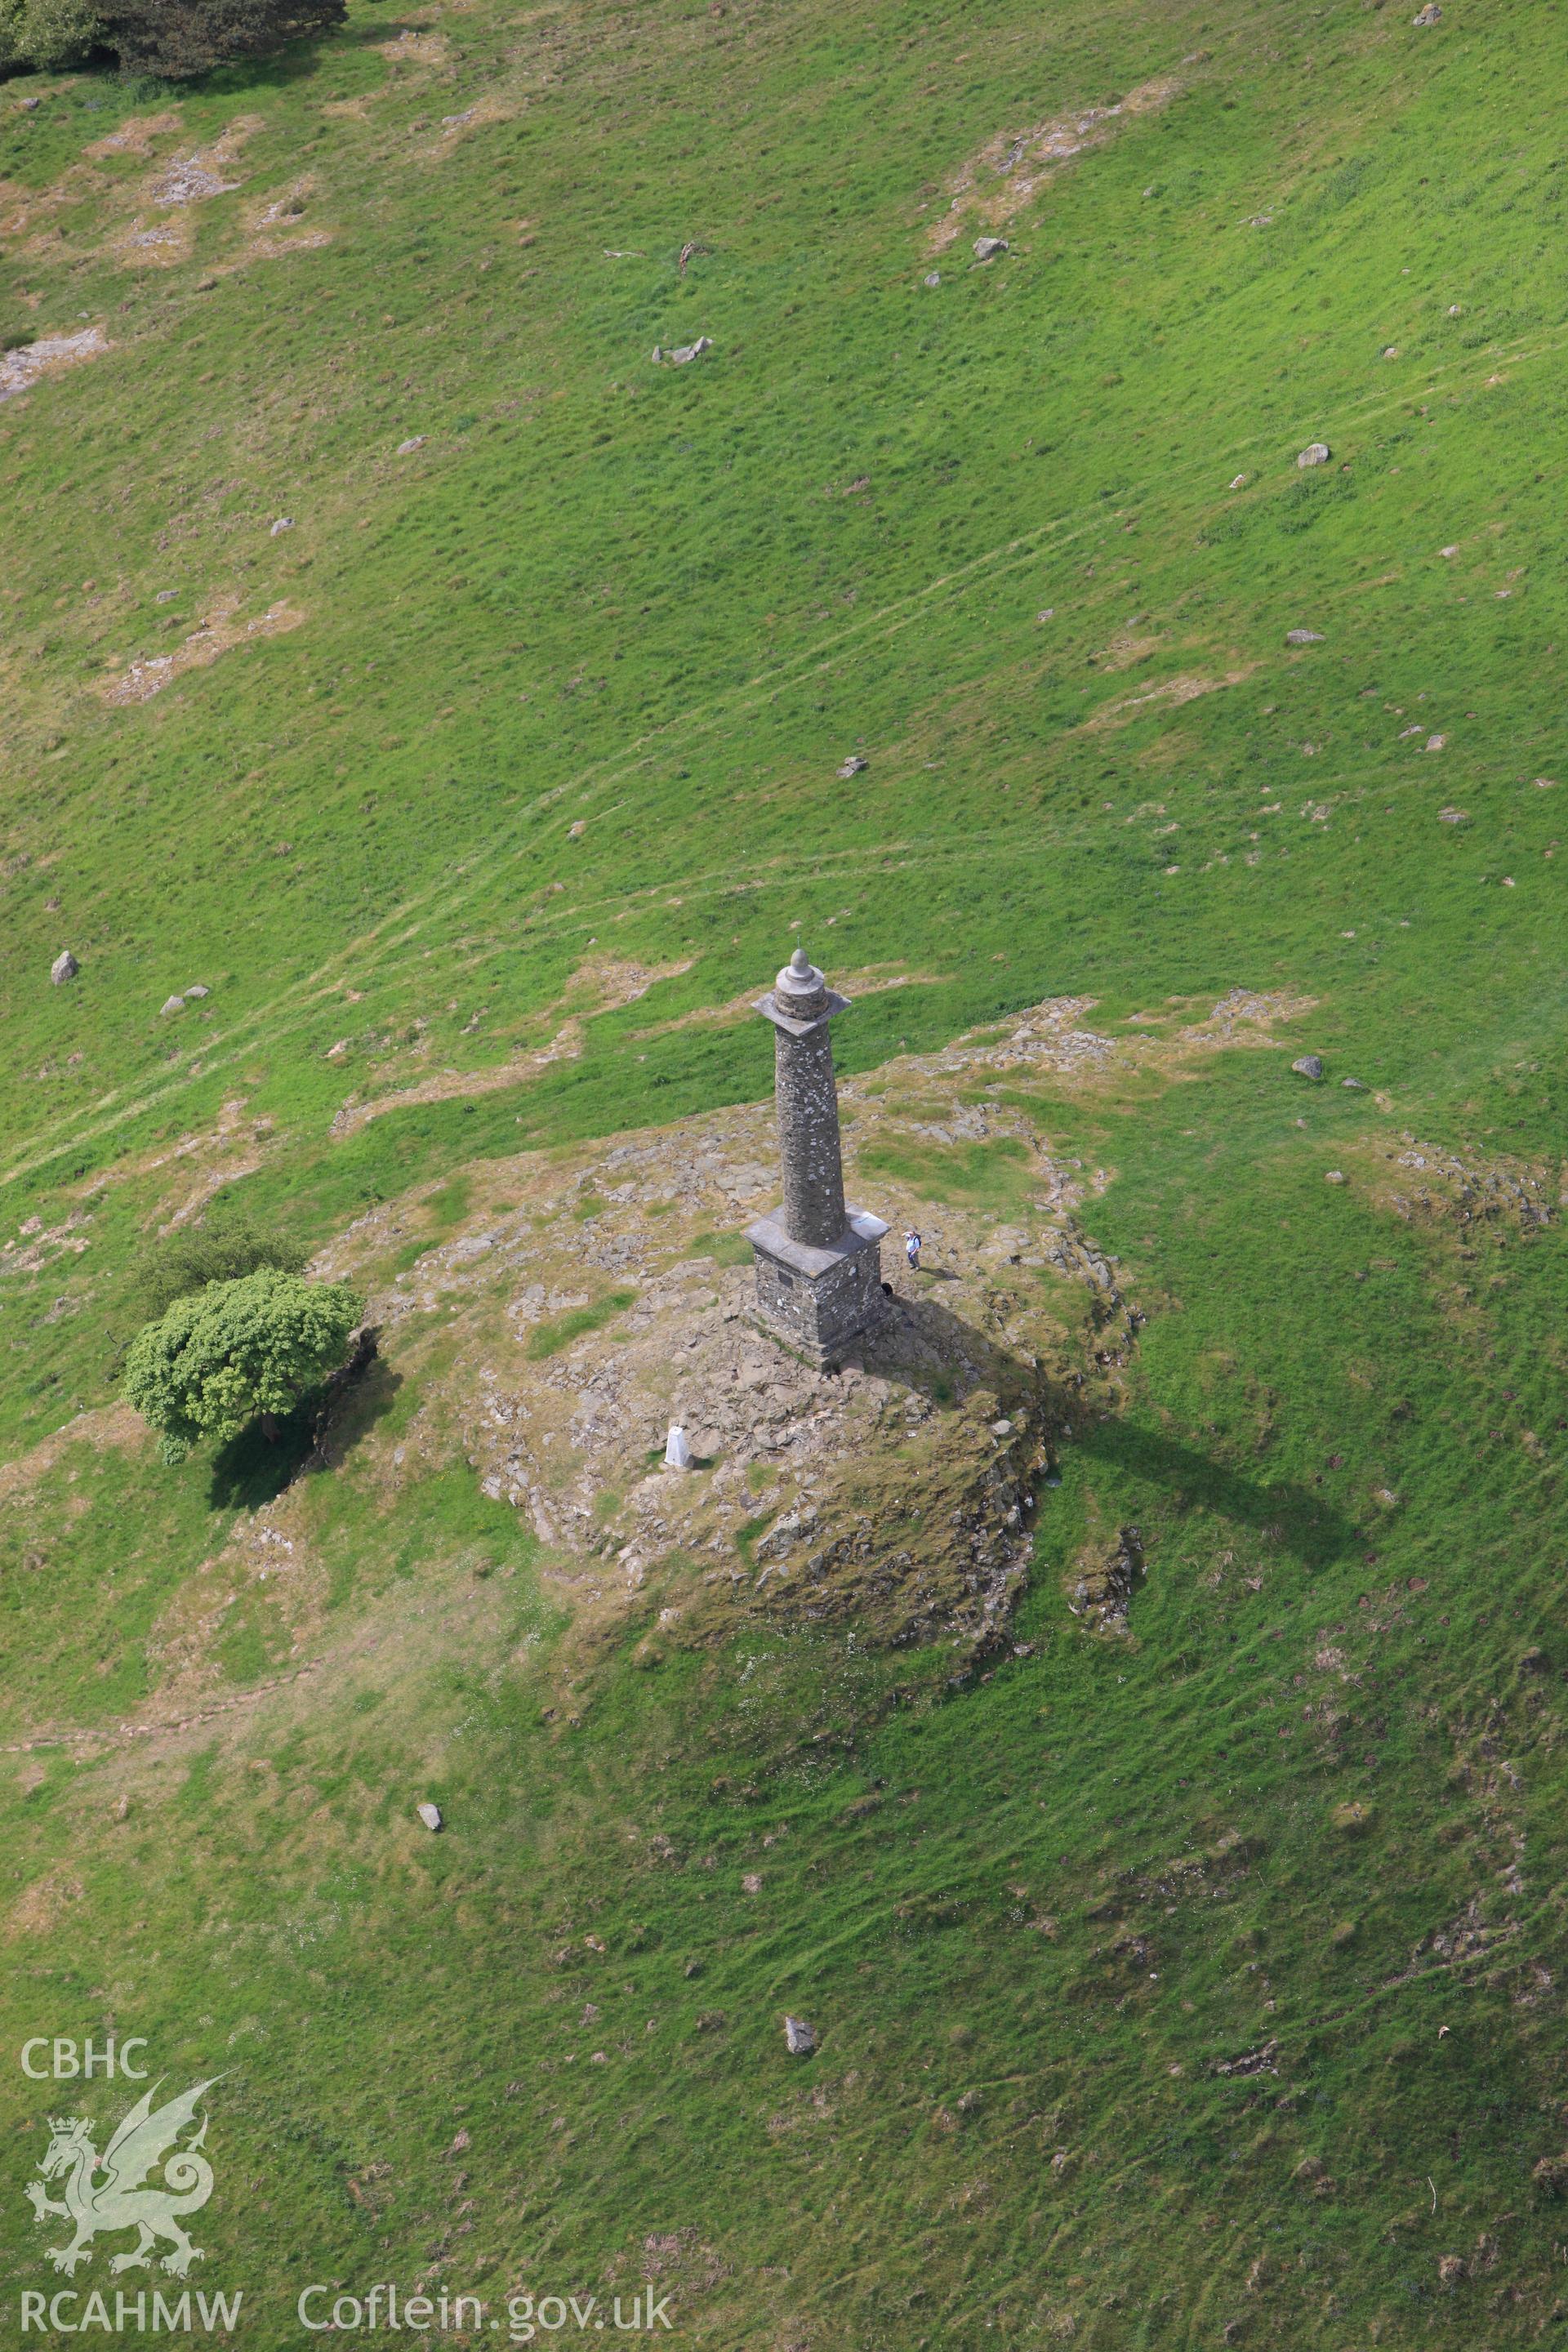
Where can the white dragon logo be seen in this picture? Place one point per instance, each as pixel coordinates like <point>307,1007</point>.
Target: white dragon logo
<point>108,2191</point>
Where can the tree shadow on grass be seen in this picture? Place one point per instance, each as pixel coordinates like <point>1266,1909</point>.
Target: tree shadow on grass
<point>936,1351</point>
<point>252,1470</point>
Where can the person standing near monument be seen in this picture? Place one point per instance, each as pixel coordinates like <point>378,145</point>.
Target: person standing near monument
<point>912,1250</point>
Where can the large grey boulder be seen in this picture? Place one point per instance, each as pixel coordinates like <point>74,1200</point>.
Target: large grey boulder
<point>799,2037</point>
<point>430,1815</point>
<point>986,248</point>
<point>1310,1065</point>
<point>1304,637</point>
<point>172,1004</point>
<point>64,967</point>
<point>1316,453</point>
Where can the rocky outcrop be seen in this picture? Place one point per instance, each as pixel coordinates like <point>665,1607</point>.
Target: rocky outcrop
<point>1103,1584</point>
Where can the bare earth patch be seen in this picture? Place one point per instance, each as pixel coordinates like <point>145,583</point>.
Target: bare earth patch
<point>276,226</point>
<point>601,986</point>
<point>1125,652</point>
<point>1245,1016</point>
<point>135,136</point>
<point>150,674</point>
<point>190,179</point>
<point>1172,691</point>
<point>457,127</point>
<point>997,182</point>
<point>414,49</point>
<point>1427,1184</point>
<point>51,355</point>
<point>142,244</point>
<point>42,1906</point>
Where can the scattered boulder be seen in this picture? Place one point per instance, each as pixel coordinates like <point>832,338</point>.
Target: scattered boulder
<point>1316,453</point>
<point>172,1004</point>
<point>430,1815</point>
<point>1356,1085</point>
<point>284,522</point>
<point>854,765</point>
<point>986,248</point>
<point>1436,742</point>
<point>931,277</point>
<point>800,2038</point>
<point>1452,816</point>
<point>682,354</point>
<point>414,441</point>
<point>64,967</point>
<point>1304,637</point>
<point>1334,1176</point>
<point>1447,550</point>
<point>1239,483</point>
<point>1430,15</point>
<point>198,991</point>
<point>1309,1066</point>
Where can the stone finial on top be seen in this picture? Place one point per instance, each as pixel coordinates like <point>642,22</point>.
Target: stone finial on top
<point>800,990</point>
<point>800,997</point>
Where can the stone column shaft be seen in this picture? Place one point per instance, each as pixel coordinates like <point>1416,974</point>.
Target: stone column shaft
<point>813,1167</point>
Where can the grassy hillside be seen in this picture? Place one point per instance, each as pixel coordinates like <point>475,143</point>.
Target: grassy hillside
<point>1199,1986</point>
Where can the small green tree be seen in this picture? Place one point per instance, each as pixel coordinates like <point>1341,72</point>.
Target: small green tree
<point>46,33</point>
<point>219,1249</point>
<point>181,39</point>
<point>238,1352</point>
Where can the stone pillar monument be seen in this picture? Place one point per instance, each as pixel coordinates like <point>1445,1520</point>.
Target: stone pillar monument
<point>819,1264</point>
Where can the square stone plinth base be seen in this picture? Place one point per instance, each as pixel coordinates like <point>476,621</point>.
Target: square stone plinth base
<point>820,1301</point>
